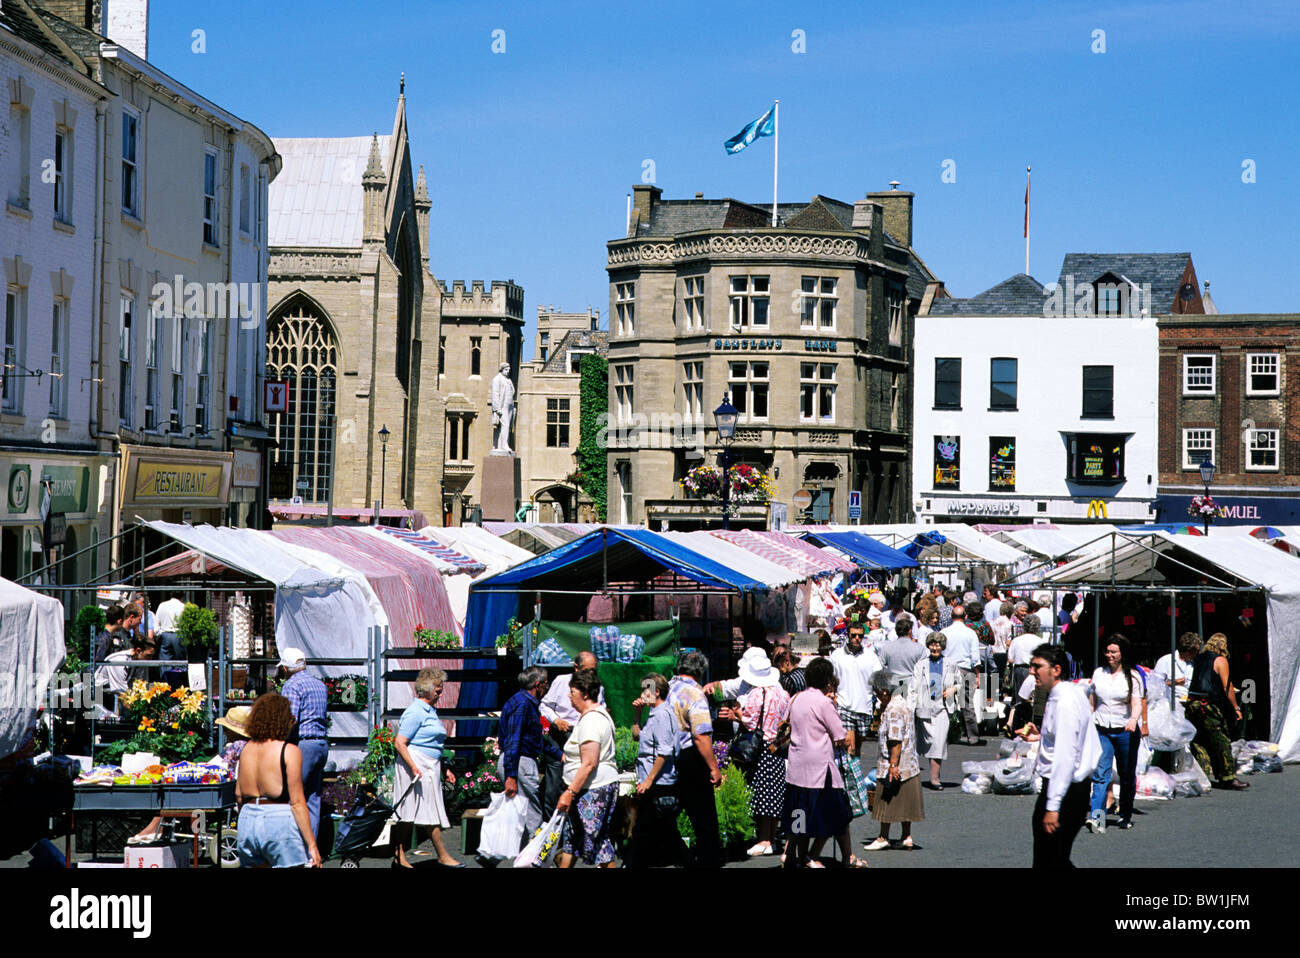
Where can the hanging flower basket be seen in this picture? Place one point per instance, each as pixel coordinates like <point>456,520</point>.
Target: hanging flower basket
<point>1204,507</point>
<point>748,484</point>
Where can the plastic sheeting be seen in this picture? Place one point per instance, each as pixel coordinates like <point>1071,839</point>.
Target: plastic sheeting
<point>787,550</point>
<point>448,560</point>
<point>495,553</point>
<point>1250,561</point>
<point>31,648</point>
<point>863,549</point>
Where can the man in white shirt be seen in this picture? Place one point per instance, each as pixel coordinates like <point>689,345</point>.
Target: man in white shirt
<point>963,651</point>
<point>1177,670</point>
<point>1068,752</point>
<point>169,643</point>
<point>854,665</point>
<point>558,710</point>
<point>992,605</point>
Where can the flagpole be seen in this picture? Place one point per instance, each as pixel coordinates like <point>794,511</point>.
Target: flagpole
<point>1027,174</point>
<point>776,146</point>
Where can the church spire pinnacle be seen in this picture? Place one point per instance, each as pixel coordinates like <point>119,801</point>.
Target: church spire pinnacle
<point>421,187</point>
<point>374,168</point>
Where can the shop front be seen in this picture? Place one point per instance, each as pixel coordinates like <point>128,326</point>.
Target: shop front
<point>1235,509</point>
<point>52,510</point>
<point>189,486</point>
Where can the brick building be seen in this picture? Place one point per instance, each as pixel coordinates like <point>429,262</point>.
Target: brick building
<point>805,325</point>
<point>1228,392</point>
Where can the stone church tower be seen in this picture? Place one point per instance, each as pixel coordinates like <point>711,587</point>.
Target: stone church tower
<point>353,324</point>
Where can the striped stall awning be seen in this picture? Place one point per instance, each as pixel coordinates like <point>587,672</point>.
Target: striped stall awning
<point>774,547</point>
<point>462,562</point>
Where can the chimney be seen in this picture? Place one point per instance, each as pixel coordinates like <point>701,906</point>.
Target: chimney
<point>897,205</point>
<point>126,23</point>
<point>644,198</point>
<point>868,216</point>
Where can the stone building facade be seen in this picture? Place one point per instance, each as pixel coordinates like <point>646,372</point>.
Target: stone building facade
<point>482,328</point>
<point>549,409</point>
<point>354,324</point>
<point>178,281</point>
<point>1228,392</point>
<point>806,326</point>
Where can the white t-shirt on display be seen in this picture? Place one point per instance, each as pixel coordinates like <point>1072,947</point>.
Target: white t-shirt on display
<point>1179,670</point>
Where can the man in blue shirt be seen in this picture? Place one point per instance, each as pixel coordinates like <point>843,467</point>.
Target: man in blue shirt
<point>522,744</point>
<point>310,701</point>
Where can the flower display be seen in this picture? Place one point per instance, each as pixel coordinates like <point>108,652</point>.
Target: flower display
<point>434,639</point>
<point>747,483</point>
<point>168,722</point>
<point>1204,507</point>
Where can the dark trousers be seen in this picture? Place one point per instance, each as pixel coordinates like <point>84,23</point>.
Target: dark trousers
<point>695,794</point>
<point>655,840</point>
<point>315,753</point>
<point>552,784</point>
<point>1053,851</point>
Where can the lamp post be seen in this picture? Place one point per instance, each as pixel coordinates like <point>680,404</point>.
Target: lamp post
<point>724,418</point>
<point>383,465</point>
<point>1207,476</point>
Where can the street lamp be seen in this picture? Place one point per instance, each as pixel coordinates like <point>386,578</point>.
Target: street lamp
<point>724,418</point>
<point>383,464</point>
<point>1207,476</point>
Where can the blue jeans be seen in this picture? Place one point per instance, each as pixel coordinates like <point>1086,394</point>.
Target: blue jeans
<point>315,752</point>
<point>1121,747</point>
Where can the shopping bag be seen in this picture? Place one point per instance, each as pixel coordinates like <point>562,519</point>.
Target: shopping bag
<point>544,844</point>
<point>855,784</point>
<point>503,826</point>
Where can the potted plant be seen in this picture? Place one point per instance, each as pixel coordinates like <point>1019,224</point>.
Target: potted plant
<point>434,639</point>
<point>511,639</point>
<point>198,631</point>
<point>735,821</point>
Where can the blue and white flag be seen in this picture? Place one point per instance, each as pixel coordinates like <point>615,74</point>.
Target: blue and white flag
<point>765,125</point>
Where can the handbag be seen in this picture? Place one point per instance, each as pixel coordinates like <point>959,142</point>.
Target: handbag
<point>781,747</point>
<point>748,745</point>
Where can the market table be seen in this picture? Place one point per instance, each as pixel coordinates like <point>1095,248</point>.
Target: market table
<point>158,799</point>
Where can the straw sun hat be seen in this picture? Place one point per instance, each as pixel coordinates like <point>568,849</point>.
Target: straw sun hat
<point>237,720</point>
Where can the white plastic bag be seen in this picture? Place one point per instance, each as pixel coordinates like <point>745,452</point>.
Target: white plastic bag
<point>1014,780</point>
<point>1144,756</point>
<point>977,784</point>
<point>1168,731</point>
<point>545,843</point>
<point>990,768</point>
<point>503,826</point>
<point>1155,784</point>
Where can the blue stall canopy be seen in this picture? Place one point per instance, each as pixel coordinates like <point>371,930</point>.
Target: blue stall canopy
<point>615,556</point>
<point>862,549</point>
<point>603,560</point>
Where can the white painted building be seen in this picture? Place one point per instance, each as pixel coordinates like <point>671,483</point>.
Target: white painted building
<point>1021,416</point>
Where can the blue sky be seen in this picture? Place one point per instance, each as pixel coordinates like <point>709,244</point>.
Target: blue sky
<point>530,153</point>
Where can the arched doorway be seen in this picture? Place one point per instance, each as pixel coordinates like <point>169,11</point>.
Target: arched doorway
<point>301,348</point>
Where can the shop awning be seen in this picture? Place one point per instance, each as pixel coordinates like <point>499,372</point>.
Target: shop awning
<point>863,549</point>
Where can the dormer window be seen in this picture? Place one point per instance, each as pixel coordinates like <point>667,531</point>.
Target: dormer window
<point>1114,296</point>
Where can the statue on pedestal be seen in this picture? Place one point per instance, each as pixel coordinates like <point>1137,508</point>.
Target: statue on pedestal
<point>503,411</point>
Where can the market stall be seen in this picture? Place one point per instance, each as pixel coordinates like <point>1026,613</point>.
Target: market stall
<point>1205,584</point>
<point>31,649</point>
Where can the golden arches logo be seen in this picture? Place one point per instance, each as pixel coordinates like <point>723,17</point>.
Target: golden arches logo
<point>1097,509</point>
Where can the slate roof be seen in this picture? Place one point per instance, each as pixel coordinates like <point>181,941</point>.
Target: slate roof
<point>670,217</point>
<point>316,200</point>
<point>84,43</point>
<point>557,361</point>
<point>1020,295</point>
<point>1162,270</point>
<point>19,21</point>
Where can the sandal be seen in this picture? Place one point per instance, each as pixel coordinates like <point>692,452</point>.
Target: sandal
<point>762,848</point>
<point>907,844</point>
<point>855,862</point>
<point>814,863</point>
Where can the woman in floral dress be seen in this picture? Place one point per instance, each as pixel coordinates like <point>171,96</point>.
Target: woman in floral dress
<point>590,778</point>
<point>898,772</point>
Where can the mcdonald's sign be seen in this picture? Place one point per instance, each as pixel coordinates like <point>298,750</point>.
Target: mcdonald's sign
<point>1097,509</point>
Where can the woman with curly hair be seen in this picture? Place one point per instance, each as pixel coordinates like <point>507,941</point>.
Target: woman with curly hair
<point>274,827</point>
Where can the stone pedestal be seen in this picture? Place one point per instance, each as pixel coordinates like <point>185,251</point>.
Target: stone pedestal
<point>500,487</point>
